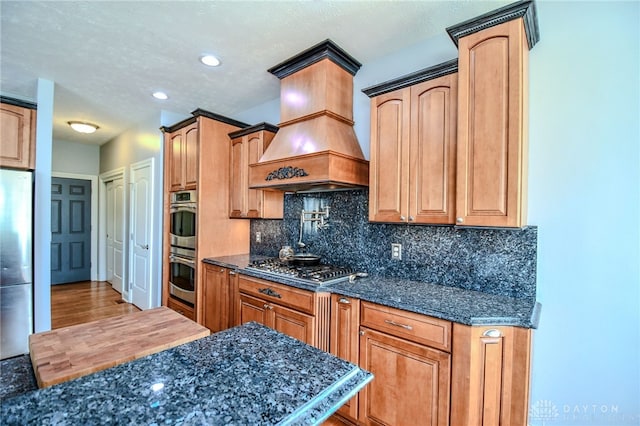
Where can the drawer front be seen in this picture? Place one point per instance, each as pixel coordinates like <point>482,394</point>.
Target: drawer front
<point>418,328</point>
<point>277,293</point>
<point>182,309</point>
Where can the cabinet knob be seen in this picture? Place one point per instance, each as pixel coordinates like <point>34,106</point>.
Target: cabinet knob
<point>361,332</point>
<point>232,273</point>
<point>221,269</point>
<point>411,218</point>
<point>403,218</point>
<point>459,220</point>
<point>344,300</point>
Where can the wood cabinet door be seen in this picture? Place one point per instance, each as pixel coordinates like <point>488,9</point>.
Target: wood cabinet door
<point>293,323</point>
<point>174,152</point>
<point>217,298</point>
<point>17,137</point>
<point>492,138</point>
<point>345,340</point>
<point>432,158</point>
<point>388,171</point>
<point>190,156</point>
<point>254,151</point>
<point>490,382</point>
<point>411,382</point>
<point>254,309</point>
<point>237,179</point>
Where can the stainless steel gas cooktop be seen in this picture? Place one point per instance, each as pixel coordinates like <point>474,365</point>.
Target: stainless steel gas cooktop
<point>320,274</point>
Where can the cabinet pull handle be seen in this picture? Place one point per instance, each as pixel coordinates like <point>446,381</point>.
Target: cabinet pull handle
<point>344,300</point>
<point>270,292</point>
<point>267,306</point>
<point>397,324</point>
<point>492,333</point>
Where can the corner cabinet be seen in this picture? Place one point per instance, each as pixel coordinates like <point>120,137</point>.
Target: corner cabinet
<point>490,380</point>
<point>345,325</point>
<point>493,116</point>
<point>413,149</point>
<point>17,134</point>
<point>247,146</point>
<point>298,313</point>
<point>219,287</point>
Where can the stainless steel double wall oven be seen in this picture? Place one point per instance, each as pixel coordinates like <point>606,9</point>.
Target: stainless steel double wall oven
<point>183,212</point>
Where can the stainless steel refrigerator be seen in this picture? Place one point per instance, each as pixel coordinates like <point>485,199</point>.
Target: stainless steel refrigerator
<point>16,262</point>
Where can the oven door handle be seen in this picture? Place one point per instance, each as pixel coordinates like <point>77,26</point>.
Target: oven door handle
<point>182,260</point>
<point>176,209</point>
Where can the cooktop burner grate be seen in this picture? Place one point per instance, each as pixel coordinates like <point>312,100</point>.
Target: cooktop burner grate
<point>310,274</point>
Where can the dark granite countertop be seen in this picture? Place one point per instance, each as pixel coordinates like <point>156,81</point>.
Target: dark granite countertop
<point>467,307</point>
<point>248,374</point>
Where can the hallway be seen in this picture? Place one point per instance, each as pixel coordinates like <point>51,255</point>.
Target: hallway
<point>86,301</point>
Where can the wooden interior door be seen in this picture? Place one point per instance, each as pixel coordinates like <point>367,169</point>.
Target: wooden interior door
<point>70,230</point>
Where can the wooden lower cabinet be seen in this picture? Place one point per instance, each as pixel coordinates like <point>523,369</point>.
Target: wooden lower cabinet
<point>218,289</point>
<point>408,356</point>
<point>298,313</point>
<point>181,308</point>
<point>345,325</point>
<point>490,380</point>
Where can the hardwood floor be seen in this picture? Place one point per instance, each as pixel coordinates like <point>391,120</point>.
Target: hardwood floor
<point>82,302</point>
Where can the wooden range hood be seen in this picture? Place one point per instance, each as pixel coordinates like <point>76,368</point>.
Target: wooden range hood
<point>316,148</point>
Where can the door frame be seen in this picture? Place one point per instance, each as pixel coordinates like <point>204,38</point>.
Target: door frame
<point>94,216</point>
<point>120,172</point>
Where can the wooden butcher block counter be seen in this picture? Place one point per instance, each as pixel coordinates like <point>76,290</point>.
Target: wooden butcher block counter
<point>71,352</point>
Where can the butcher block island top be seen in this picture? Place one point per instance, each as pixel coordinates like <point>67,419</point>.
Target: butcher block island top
<point>246,375</point>
<point>78,350</point>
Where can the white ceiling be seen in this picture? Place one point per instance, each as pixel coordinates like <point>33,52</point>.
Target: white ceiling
<point>107,57</point>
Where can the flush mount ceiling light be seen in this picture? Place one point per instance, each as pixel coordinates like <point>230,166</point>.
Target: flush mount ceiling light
<point>160,95</point>
<point>210,60</point>
<point>82,127</point>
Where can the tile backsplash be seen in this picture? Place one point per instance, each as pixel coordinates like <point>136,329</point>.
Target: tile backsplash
<point>496,261</point>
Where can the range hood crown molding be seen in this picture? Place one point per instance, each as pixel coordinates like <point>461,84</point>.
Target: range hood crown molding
<point>324,50</point>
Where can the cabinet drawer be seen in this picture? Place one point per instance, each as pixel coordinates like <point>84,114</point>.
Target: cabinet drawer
<point>281,294</point>
<point>181,308</point>
<point>415,327</point>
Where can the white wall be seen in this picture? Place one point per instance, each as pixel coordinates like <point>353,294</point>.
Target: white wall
<point>584,196</point>
<point>139,143</point>
<point>76,158</point>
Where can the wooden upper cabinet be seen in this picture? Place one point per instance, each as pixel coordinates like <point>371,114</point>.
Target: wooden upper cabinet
<point>432,152</point>
<point>413,152</point>
<point>183,158</point>
<point>492,127</point>
<point>389,157</point>
<point>17,137</point>
<point>247,146</point>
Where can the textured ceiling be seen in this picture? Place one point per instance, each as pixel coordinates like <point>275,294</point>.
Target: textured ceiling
<point>107,57</point>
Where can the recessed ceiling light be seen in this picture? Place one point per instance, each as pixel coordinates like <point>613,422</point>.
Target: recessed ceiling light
<point>82,127</point>
<point>160,95</point>
<point>210,60</point>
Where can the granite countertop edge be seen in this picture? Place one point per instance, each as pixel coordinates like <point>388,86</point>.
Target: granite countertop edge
<point>471,307</point>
